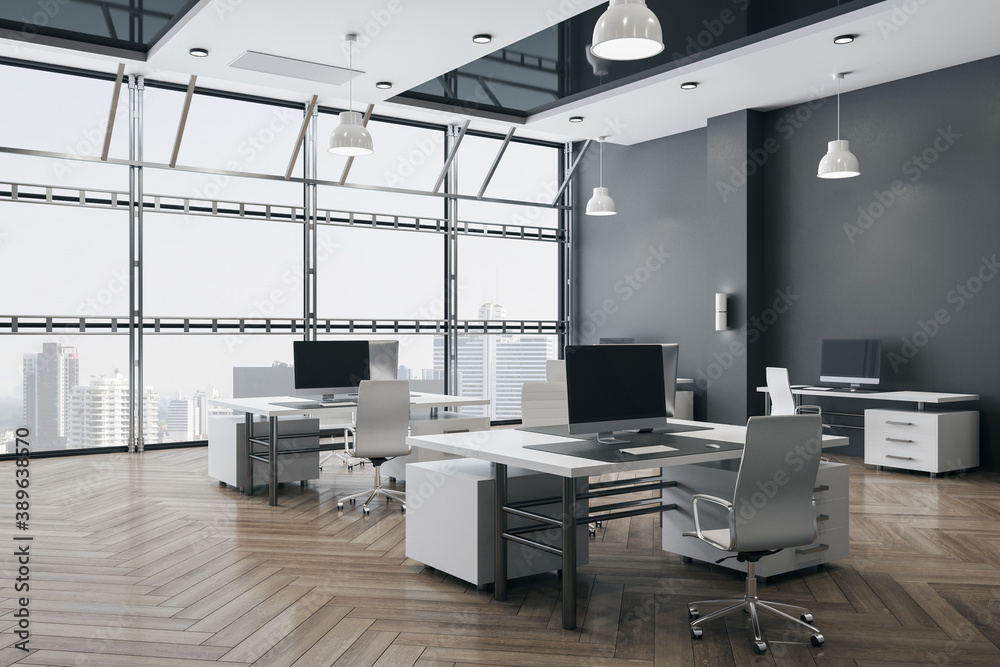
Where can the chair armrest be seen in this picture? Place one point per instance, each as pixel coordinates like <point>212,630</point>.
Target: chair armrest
<point>728,506</point>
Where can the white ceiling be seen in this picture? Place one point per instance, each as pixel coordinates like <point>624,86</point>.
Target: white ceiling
<point>409,43</point>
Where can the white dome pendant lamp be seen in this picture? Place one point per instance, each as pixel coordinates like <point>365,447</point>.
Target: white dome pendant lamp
<point>839,161</point>
<point>601,203</point>
<point>350,137</point>
<point>627,30</point>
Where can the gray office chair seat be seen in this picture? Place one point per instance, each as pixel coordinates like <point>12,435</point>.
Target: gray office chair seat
<point>772,452</point>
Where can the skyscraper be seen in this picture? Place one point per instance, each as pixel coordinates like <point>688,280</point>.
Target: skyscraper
<point>496,365</point>
<point>47,382</point>
<point>99,413</point>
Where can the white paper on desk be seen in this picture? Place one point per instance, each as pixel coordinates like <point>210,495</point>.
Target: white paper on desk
<point>651,449</point>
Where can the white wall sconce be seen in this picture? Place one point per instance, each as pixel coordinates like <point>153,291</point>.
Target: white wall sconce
<point>721,314</point>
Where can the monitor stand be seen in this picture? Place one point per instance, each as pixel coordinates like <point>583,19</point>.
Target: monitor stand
<point>608,438</point>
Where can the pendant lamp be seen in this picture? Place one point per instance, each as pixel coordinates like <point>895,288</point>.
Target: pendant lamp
<point>627,30</point>
<point>601,203</point>
<point>350,137</point>
<point>839,161</point>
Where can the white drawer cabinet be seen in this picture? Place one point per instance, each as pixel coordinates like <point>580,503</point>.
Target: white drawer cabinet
<point>932,442</point>
<point>719,479</point>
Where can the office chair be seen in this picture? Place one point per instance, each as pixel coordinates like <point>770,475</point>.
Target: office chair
<point>772,509</point>
<point>381,425</point>
<point>782,400</point>
<point>544,404</point>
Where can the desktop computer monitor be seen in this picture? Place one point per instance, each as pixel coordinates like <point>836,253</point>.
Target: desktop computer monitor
<point>383,356</point>
<point>619,387</point>
<point>330,368</point>
<point>854,361</point>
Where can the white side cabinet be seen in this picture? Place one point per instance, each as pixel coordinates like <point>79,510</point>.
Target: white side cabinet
<point>427,423</point>
<point>227,451</point>
<point>719,479</point>
<point>450,521</point>
<point>932,442</point>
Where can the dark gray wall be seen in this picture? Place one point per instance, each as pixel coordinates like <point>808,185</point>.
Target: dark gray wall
<point>883,255</point>
<point>625,286</point>
<point>886,255</point>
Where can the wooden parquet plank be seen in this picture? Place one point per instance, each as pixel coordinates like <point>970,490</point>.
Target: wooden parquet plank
<point>146,561</point>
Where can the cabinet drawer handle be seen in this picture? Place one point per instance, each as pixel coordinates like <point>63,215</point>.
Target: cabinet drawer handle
<point>821,488</point>
<point>905,442</point>
<point>901,458</point>
<point>891,423</point>
<point>814,550</point>
<point>823,517</point>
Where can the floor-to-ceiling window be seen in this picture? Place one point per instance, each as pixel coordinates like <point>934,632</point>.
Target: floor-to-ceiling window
<point>222,261</point>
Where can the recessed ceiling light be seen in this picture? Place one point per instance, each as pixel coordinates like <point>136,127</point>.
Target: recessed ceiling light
<point>198,52</point>
<point>576,119</point>
<point>384,85</point>
<point>482,38</point>
<point>844,39</point>
<point>689,85</point>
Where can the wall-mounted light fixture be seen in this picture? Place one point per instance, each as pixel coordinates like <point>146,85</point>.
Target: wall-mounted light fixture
<point>721,314</point>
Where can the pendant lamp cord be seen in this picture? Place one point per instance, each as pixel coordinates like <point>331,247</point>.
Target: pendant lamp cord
<point>350,85</point>
<point>838,109</point>
<point>601,165</point>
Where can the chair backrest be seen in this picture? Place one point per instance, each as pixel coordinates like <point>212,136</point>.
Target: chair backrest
<point>780,391</point>
<point>555,370</point>
<point>773,500</point>
<point>544,404</point>
<point>383,418</point>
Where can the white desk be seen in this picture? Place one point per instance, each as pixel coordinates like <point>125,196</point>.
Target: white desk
<point>918,397</point>
<point>266,406</point>
<point>508,447</point>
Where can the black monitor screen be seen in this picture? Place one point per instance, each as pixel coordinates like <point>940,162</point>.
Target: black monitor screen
<point>850,360</point>
<point>329,366</point>
<point>619,387</point>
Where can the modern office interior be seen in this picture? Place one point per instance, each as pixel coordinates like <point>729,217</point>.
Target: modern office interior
<point>772,225</point>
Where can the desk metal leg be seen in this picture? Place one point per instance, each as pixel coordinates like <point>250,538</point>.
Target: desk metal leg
<point>499,543</point>
<point>767,403</point>
<point>569,553</point>
<point>272,453</point>
<point>248,433</point>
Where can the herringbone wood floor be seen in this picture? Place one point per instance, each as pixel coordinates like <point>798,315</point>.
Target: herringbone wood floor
<point>144,560</point>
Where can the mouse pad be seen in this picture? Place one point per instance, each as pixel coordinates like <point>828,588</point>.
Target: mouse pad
<point>587,447</point>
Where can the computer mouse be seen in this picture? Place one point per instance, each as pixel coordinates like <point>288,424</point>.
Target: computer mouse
<point>713,445</point>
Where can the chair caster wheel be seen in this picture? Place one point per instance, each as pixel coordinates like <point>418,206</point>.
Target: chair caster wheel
<point>760,648</point>
<point>808,618</point>
<point>352,501</point>
<point>696,633</point>
<point>692,613</point>
<point>340,506</point>
<point>598,523</point>
<point>366,511</point>
<point>392,479</point>
<point>593,532</point>
<point>402,508</point>
<point>816,640</point>
<point>350,468</point>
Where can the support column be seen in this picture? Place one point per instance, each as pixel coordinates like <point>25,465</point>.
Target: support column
<point>451,269</point>
<point>135,192</point>
<point>310,209</point>
<point>566,292</point>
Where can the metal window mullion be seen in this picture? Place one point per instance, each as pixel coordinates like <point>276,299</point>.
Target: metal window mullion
<point>451,264</point>
<point>310,229</point>
<point>136,417</point>
<point>566,255</point>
